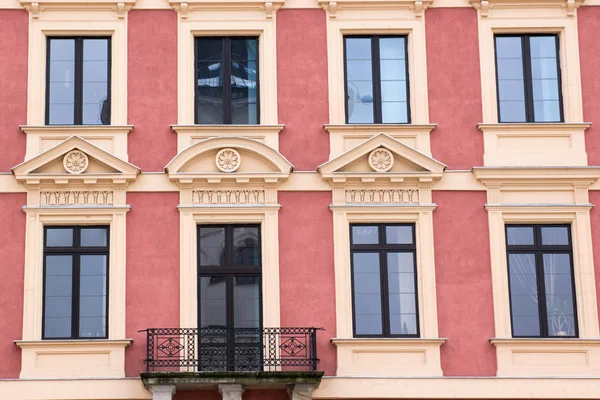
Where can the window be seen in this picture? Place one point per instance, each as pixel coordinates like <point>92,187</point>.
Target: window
<point>221,60</point>
<point>376,80</point>
<point>75,282</point>
<point>528,78</point>
<point>540,269</point>
<point>384,280</point>
<point>78,81</point>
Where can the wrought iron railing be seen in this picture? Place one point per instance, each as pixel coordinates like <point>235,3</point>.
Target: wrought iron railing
<point>240,349</point>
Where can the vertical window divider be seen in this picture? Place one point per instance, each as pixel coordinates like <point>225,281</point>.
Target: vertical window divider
<point>376,67</point>
<point>528,78</point>
<point>227,98</point>
<point>78,106</point>
<point>76,290</point>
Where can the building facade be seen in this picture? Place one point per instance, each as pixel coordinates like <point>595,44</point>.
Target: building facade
<point>251,199</point>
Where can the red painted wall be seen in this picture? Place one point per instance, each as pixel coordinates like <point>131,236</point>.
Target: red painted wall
<point>306,271</point>
<point>152,270</point>
<point>589,54</point>
<point>14,25</point>
<point>595,220</point>
<point>302,91</point>
<point>12,256</point>
<point>454,86</point>
<point>152,87</point>
<point>464,283</point>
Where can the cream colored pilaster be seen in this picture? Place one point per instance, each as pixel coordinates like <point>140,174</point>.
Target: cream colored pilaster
<point>118,275</point>
<point>341,246</point>
<point>499,275</point>
<point>587,309</point>
<point>271,269</point>
<point>231,391</point>
<point>429,326</point>
<point>32,321</point>
<point>301,391</point>
<point>162,392</point>
<point>187,284</point>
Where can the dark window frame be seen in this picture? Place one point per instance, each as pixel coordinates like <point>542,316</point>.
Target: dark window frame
<point>75,251</point>
<point>528,78</point>
<point>78,78</point>
<point>227,96</point>
<point>376,77</point>
<point>383,249</point>
<point>539,250</point>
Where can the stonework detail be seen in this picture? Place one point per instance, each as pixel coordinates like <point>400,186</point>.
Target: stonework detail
<point>228,196</point>
<point>75,197</point>
<point>75,162</point>
<point>381,160</point>
<point>389,196</point>
<point>228,160</point>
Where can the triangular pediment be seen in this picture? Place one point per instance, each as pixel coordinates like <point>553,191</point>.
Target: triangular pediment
<point>75,159</point>
<point>382,156</point>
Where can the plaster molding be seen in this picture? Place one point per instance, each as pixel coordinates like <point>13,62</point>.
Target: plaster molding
<point>417,7</point>
<point>188,135</point>
<point>36,7</point>
<point>185,7</point>
<point>484,6</point>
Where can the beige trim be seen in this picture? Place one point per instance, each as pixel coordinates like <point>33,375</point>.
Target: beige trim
<point>344,137</point>
<point>188,135</point>
<point>222,18</point>
<point>74,389</point>
<point>388,357</point>
<point>534,144</point>
<point>73,358</point>
<point>377,17</point>
<point>110,138</point>
<point>547,357</point>
<point>69,18</point>
<point>534,16</point>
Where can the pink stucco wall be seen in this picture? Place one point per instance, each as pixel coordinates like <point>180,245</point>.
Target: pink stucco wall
<point>152,270</point>
<point>464,283</point>
<point>14,26</point>
<point>589,54</point>
<point>454,86</point>
<point>595,220</point>
<point>12,261</point>
<point>302,92</point>
<point>152,87</point>
<point>306,271</point>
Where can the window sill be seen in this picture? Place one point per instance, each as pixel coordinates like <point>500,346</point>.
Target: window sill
<point>534,144</point>
<point>188,135</point>
<point>344,137</point>
<point>388,357</point>
<point>112,138</point>
<point>546,357</point>
<point>46,359</point>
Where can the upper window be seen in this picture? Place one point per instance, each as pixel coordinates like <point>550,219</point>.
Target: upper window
<point>540,269</point>
<point>75,282</point>
<point>376,80</point>
<point>226,80</point>
<point>528,75</point>
<point>384,280</point>
<point>78,81</point>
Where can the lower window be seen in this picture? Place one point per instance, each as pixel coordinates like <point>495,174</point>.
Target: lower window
<point>75,282</point>
<point>384,280</point>
<point>540,270</point>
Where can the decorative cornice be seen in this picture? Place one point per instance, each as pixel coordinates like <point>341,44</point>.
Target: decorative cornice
<point>388,341</point>
<point>185,7</point>
<point>35,8</point>
<point>238,130</point>
<point>537,176</point>
<point>75,129</point>
<point>544,341</point>
<point>418,7</point>
<point>484,6</point>
<point>534,127</point>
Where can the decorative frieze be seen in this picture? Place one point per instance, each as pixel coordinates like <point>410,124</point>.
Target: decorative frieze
<point>382,196</point>
<point>228,196</point>
<point>75,197</point>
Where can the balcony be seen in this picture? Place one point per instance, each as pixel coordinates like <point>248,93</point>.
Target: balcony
<point>207,358</point>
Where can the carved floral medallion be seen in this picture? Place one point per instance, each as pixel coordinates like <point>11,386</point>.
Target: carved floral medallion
<point>75,162</point>
<point>381,160</point>
<point>228,160</point>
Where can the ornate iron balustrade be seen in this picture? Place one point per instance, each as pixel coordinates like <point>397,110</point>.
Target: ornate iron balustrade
<point>239,349</point>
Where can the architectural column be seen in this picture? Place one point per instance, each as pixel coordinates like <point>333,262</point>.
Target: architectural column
<point>301,391</point>
<point>231,391</point>
<point>162,392</point>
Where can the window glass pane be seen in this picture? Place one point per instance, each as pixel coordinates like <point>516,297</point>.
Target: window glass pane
<point>544,71</point>
<point>92,300</point>
<point>394,112</point>
<point>212,301</point>
<point>511,88</point>
<point>523,295</point>
<point>546,111</point>
<point>246,302</point>
<point>61,81</point>
<point>244,79</point>
<point>58,296</point>
<point>402,294</point>
<point>392,48</point>
<point>246,246</point>
<point>93,237</point>
<point>559,294</point>
<point>555,235</point>
<point>96,107</point>
<point>359,80</point>
<point>59,237</point>
<point>212,246</point>
<point>519,235</point>
<point>399,234</point>
<point>365,235</point>
<point>367,293</point>
<point>209,75</point>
